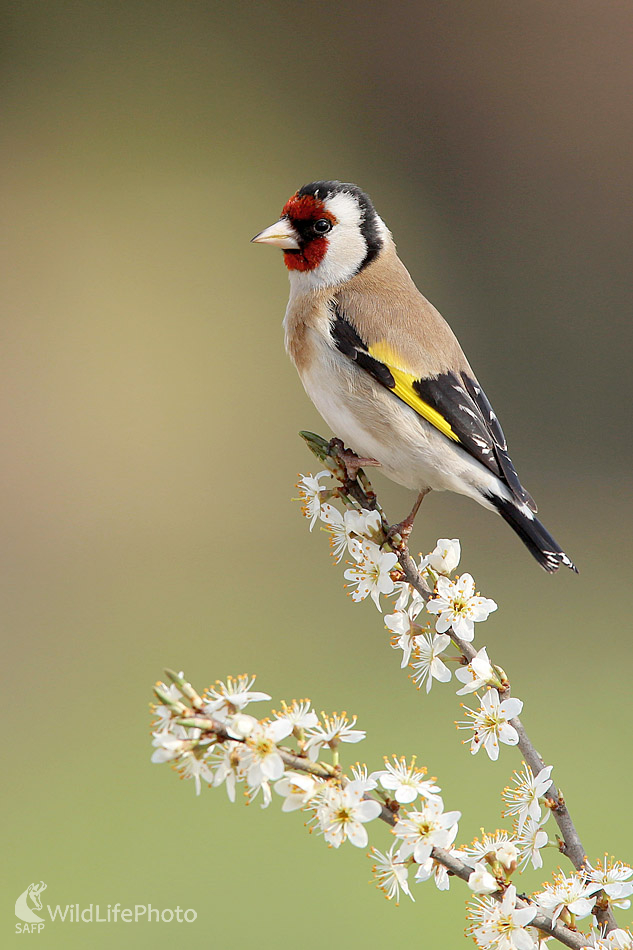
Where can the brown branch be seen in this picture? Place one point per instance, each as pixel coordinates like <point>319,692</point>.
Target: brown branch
<point>214,730</point>
<point>360,489</point>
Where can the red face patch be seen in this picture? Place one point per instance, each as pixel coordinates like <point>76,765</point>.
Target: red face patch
<point>302,211</point>
<point>309,257</point>
<point>304,208</point>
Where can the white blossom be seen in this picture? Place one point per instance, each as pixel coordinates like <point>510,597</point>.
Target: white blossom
<point>297,789</point>
<point>362,780</point>
<point>363,524</point>
<point>240,725</point>
<point>508,855</point>
<point>262,760</point>
<point>339,538</point>
<point>458,607</point>
<point>522,798</point>
<point>343,812</point>
<point>347,529</point>
<point>614,880</point>
<point>406,781</point>
<point>310,494</point>
<point>539,938</point>
<point>478,908</point>
<point>571,893</point>
<point>491,724</point>
<point>183,747</point>
<point>298,714</point>
<point>427,664</point>
<point>228,767</point>
<point>481,881</point>
<point>164,713</point>
<point>197,768</point>
<point>334,729</point>
<point>402,591</point>
<point>391,875</point>
<point>264,787</point>
<point>371,572</point>
<point>499,846</point>
<point>530,839</point>
<point>433,869</point>
<point>445,556</point>
<point>404,629</point>
<point>479,672</point>
<point>617,939</point>
<point>430,868</point>
<point>169,746</point>
<point>226,699</point>
<point>502,925</point>
<point>421,830</point>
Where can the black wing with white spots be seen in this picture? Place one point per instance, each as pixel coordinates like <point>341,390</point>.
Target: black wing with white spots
<point>453,402</point>
<point>465,406</point>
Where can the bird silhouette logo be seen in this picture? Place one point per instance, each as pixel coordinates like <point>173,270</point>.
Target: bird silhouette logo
<point>23,909</point>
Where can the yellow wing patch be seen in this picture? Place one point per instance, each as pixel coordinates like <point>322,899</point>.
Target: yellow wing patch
<point>385,352</point>
<point>404,390</point>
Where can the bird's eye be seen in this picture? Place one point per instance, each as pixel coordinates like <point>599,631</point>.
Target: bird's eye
<point>322,226</point>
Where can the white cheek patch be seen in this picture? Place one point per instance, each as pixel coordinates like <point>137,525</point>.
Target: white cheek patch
<point>345,209</point>
<point>346,251</point>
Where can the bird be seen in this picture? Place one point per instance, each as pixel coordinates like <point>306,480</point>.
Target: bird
<point>383,367</point>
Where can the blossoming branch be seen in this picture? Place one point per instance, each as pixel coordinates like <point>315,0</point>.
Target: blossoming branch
<point>212,740</point>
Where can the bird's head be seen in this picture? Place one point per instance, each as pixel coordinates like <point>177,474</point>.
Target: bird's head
<point>328,231</point>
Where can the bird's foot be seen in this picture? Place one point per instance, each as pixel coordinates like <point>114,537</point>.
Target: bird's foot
<point>351,461</point>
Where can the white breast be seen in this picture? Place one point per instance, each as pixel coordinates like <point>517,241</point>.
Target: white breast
<point>376,424</point>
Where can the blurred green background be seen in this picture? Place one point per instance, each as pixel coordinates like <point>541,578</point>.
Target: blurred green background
<point>150,418</point>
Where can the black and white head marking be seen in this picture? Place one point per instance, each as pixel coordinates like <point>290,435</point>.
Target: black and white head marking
<point>354,240</point>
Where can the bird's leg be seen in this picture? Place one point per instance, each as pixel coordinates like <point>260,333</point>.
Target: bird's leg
<point>405,527</point>
<point>351,461</point>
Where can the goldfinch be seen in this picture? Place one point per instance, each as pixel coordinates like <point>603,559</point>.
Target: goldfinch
<point>383,367</point>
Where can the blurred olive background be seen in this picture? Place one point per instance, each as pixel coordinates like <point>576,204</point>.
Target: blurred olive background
<point>150,418</point>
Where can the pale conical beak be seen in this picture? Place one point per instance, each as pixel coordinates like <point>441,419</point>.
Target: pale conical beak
<point>281,234</point>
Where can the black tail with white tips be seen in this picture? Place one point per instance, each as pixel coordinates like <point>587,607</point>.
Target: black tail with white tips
<point>535,537</point>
